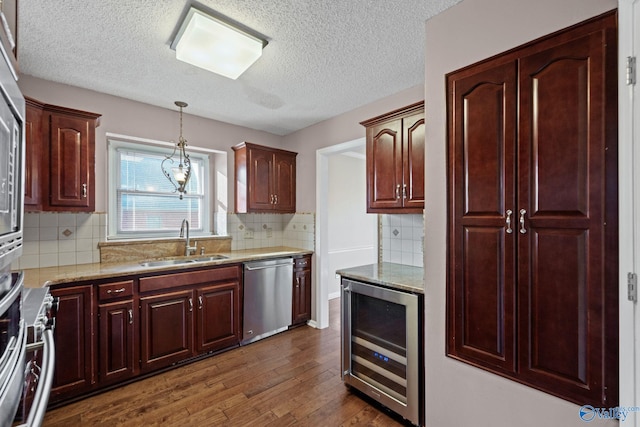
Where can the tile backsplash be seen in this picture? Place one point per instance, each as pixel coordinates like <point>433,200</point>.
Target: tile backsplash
<point>252,231</point>
<point>402,238</point>
<point>53,239</point>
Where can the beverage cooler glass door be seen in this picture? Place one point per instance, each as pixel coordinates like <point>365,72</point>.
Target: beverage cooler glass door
<point>380,345</point>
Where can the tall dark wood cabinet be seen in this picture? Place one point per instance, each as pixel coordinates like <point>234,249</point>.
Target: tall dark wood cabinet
<point>395,161</point>
<point>265,179</point>
<point>532,200</point>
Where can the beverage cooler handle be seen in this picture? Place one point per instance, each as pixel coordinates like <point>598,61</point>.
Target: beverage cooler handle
<point>345,331</point>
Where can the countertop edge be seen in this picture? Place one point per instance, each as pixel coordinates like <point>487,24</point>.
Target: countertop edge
<point>63,275</point>
<point>395,276</point>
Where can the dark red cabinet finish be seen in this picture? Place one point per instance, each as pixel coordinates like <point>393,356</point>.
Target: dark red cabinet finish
<point>532,287</point>
<point>118,341</point>
<point>60,161</point>
<point>301,290</point>
<point>395,161</point>
<point>74,336</point>
<point>166,329</point>
<point>265,179</point>
<point>218,316</point>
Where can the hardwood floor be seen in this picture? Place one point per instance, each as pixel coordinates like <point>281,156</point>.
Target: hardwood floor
<point>292,378</point>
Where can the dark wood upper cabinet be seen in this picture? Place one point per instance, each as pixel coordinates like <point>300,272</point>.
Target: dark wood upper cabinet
<point>265,179</point>
<point>35,156</point>
<point>395,161</point>
<point>61,177</point>
<point>532,197</point>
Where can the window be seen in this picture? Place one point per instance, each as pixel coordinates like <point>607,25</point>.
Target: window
<point>142,201</point>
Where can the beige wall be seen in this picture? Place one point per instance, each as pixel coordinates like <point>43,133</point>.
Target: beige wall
<point>342,128</point>
<point>458,394</point>
<point>131,118</point>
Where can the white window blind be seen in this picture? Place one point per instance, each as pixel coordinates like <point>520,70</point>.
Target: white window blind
<point>145,202</point>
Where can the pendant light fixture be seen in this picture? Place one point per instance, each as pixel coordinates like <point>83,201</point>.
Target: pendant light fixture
<point>179,176</point>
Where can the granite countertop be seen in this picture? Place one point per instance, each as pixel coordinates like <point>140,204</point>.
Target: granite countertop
<point>395,276</point>
<point>51,276</point>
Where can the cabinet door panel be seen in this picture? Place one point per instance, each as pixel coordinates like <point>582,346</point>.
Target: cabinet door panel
<point>284,183</point>
<point>482,190</point>
<point>71,161</point>
<point>117,341</point>
<point>35,154</point>
<point>260,187</point>
<point>166,329</point>
<point>218,316</point>
<point>384,158</point>
<point>74,332</point>
<point>413,160</point>
<point>561,185</point>
<point>560,321</point>
<point>301,296</point>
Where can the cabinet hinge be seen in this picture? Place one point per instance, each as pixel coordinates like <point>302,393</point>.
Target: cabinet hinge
<point>631,70</point>
<point>632,287</point>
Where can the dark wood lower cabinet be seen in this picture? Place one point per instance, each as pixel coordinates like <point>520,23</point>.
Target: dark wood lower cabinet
<point>301,290</point>
<point>74,336</point>
<point>166,323</point>
<point>108,332</point>
<point>218,316</point>
<point>533,259</point>
<point>118,341</point>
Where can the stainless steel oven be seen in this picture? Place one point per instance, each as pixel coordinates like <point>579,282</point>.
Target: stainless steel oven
<point>382,351</point>
<point>12,345</point>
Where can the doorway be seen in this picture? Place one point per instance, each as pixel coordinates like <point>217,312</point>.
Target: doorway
<point>346,236</point>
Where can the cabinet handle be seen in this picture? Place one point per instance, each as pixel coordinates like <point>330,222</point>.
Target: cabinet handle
<point>509,229</point>
<point>522,214</point>
<point>275,198</point>
<point>190,304</point>
<point>404,191</point>
<point>398,191</point>
<point>271,198</point>
<point>84,191</point>
<point>297,282</point>
<point>200,302</point>
<point>130,316</point>
<point>115,291</point>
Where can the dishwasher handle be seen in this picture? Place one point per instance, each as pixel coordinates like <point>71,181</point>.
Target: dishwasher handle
<point>261,266</point>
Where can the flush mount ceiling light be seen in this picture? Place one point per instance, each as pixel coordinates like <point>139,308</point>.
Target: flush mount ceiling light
<point>179,176</point>
<point>209,43</point>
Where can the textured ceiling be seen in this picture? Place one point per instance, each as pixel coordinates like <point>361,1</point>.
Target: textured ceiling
<point>323,58</point>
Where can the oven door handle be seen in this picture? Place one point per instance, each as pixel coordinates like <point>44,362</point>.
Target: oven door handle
<point>41,398</point>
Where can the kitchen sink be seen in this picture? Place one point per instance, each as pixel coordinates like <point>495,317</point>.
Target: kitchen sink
<point>165,262</point>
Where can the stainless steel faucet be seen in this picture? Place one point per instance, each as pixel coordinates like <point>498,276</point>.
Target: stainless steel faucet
<point>188,250</point>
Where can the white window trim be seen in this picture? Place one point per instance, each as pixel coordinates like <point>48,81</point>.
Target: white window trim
<point>114,142</point>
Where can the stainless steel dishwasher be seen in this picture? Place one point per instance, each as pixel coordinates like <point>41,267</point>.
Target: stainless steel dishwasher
<point>268,292</point>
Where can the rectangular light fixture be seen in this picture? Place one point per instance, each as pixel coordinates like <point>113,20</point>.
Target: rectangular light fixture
<point>209,43</point>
